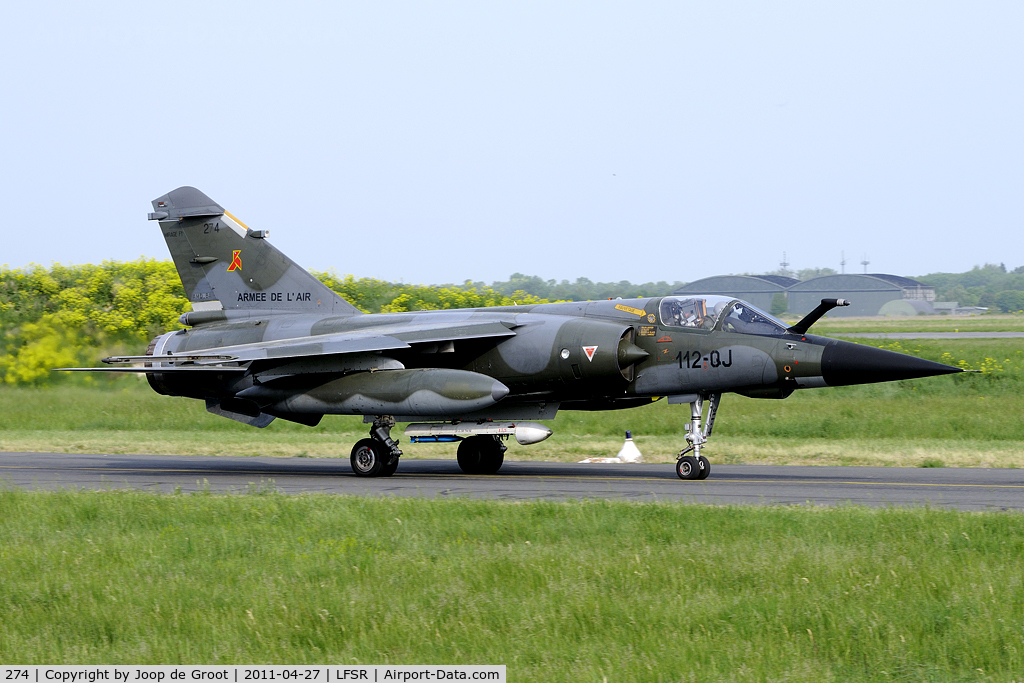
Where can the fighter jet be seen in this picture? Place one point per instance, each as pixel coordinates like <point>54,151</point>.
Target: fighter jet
<point>266,340</point>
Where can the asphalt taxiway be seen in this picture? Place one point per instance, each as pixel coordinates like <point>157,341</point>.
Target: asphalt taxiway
<point>961,488</point>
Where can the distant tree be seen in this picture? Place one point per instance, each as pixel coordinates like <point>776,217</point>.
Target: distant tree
<point>531,284</point>
<point>808,273</point>
<point>981,276</point>
<point>1010,301</point>
<point>582,289</point>
<point>779,304</point>
<point>959,294</point>
<point>782,272</point>
<point>981,284</point>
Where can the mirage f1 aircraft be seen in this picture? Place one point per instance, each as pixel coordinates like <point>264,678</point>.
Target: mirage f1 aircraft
<point>267,340</point>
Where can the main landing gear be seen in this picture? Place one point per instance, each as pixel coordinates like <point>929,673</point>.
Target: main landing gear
<point>696,466</point>
<point>478,454</point>
<point>481,454</point>
<point>377,456</point>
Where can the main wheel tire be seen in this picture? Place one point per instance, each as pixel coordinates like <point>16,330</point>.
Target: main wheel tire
<point>687,467</point>
<point>480,454</point>
<point>389,469</point>
<point>470,455</point>
<point>366,458</point>
<point>705,467</point>
<point>493,457</point>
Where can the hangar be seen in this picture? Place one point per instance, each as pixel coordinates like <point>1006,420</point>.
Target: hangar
<point>869,294</point>
<point>757,289</point>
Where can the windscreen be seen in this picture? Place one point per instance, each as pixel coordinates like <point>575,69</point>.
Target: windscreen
<point>747,319</point>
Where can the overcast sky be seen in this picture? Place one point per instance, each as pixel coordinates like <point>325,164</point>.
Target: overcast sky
<point>438,142</point>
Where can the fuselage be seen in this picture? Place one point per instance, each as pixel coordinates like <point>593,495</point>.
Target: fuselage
<point>576,355</point>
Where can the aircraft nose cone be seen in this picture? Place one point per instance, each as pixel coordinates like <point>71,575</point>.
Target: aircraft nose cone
<point>843,363</point>
<point>498,391</point>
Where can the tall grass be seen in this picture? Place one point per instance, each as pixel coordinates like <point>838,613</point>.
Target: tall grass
<point>558,592</point>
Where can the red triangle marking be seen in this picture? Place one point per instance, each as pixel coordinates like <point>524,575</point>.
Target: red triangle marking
<point>590,350</point>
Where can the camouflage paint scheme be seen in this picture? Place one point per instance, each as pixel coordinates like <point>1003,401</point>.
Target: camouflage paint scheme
<point>267,340</point>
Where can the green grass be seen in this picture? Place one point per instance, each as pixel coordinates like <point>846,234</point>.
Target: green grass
<point>834,327</point>
<point>558,592</point>
<point>578,591</point>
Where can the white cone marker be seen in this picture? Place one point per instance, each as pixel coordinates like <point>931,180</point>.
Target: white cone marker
<point>629,452</point>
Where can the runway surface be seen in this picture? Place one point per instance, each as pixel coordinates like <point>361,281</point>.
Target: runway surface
<point>965,489</point>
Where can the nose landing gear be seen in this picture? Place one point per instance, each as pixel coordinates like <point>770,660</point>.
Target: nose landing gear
<point>377,456</point>
<point>696,466</point>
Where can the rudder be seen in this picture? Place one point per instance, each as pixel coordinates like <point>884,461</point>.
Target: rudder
<point>225,265</point>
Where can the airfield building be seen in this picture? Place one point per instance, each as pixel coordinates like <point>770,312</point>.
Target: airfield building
<point>870,294</point>
<point>757,289</point>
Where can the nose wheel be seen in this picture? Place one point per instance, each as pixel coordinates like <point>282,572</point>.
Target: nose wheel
<point>693,467</point>
<point>696,466</point>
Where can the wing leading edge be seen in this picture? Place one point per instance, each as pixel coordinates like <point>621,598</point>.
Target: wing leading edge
<point>238,357</point>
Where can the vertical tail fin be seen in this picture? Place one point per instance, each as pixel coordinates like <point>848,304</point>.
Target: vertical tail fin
<point>225,265</point>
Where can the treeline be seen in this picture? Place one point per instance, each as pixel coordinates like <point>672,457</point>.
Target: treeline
<point>581,289</point>
<point>72,315</point>
<point>379,296</point>
<point>990,285</point>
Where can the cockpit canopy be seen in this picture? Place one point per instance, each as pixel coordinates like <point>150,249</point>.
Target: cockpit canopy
<point>728,314</point>
<point>699,311</point>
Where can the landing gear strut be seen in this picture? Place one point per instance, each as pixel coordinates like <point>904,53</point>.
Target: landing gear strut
<point>696,466</point>
<point>377,456</point>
